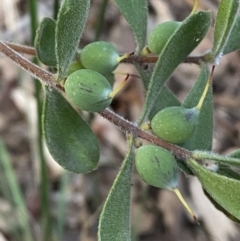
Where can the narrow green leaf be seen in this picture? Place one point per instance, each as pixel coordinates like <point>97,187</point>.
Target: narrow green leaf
<point>179,46</point>
<point>203,134</point>
<point>114,223</point>
<point>225,160</point>
<point>226,14</point>
<point>70,24</point>
<point>225,191</point>
<point>220,208</point>
<point>70,140</point>
<point>45,42</point>
<point>233,42</point>
<point>135,12</point>
<point>235,154</point>
<point>229,171</point>
<point>165,99</point>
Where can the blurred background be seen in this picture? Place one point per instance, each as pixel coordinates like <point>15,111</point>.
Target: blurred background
<point>73,202</point>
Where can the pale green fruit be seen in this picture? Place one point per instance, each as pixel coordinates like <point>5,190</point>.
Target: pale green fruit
<point>160,35</point>
<point>175,124</point>
<point>157,167</point>
<point>88,90</point>
<point>100,56</point>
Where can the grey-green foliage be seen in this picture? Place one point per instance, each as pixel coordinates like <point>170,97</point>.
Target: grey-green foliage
<point>225,191</point>
<point>179,46</point>
<point>114,223</point>
<point>233,42</point>
<point>135,12</point>
<point>45,42</point>
<point>226,14</point>
<point>70,24</point>
<point>69,138</point>
<point>202,136</point>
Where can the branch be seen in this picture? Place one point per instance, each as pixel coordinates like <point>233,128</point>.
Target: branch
<point>46,77</point>
<point>131,59</point>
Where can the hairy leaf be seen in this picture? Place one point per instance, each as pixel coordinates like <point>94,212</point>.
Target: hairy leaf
<point>70,140</point>
<point>226,14</point>
<point>180,45</point>
<point>70,24</point>
<point>45,42</point>
<point>135,12</point>
<point>202,136</point>
<point>233,42</point>
<point>225,191</point>
<point>114,223</point>
<point>165,99</point>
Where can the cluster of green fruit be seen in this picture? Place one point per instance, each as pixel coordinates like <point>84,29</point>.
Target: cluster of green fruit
<point>158,167</point>
<point>87,86</point>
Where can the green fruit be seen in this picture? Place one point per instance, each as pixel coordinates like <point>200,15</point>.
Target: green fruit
<point>88,90</point>
<point>157,167</point>
<point>74,66</point>
<point>100,56</point>
<point>160,35</point>
<point>175,124</point>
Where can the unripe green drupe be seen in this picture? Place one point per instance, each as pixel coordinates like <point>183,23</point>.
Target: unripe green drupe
<point>175,124</point>
<point>160,35</point>
<point>100,56</point>
<point>157,166</point>
<point>88,90</point>
<point>74,66</point>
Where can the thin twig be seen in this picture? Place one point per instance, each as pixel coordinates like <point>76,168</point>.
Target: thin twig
<point>22,48</point>
<point>131,59</point>
<point>46,77</point>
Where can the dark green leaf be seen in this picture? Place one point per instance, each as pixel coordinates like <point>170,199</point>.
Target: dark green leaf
<point>220,208</point>
<point>235,154</point>
<point>228,171</point>
<point>45,42</point>
<point>179,46</point>
<point>135,12</point>
<point>225,191</point>
<point>114,223</point>
<point>70,24</point>
<point>203,134</point>
<point>165,99</point>
<point>233,42</point>
<point>225,160</point>
<point>70,140</point>
<point>226,14</point>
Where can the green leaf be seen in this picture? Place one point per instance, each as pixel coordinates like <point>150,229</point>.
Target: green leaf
<point>45,42</point>
<point>114,223</point>
<point>225,191</point>
<point>70,24</point>
<point>179,46</point>
<point>165,99</point>
<point>235,154</point>
<point>70,140</point>
<point>226,14</point>
<point>220,208</point>
<point>233,42</point>
<point>229,171</point>
<point>203,134</point>
<point>225,160</point>
<point>135,12</point>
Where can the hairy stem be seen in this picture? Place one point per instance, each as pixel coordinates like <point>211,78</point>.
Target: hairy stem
<point>130,59</point>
